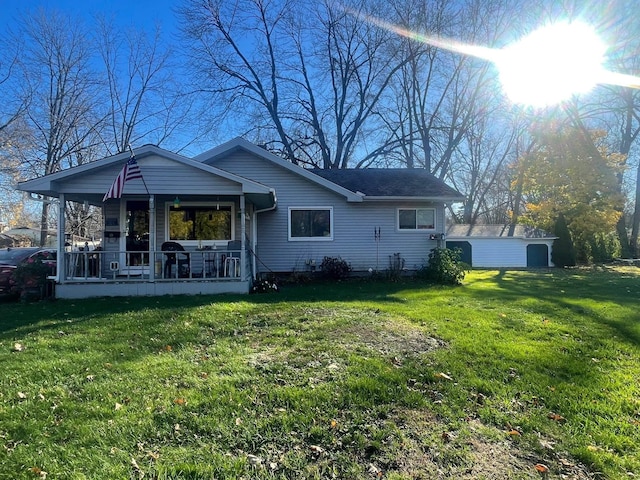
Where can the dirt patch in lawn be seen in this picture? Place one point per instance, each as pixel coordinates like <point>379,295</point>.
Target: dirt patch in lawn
<point>429,449</point>
<point>387,337</point>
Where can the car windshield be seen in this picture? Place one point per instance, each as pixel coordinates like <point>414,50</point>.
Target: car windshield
<point>12,255</point>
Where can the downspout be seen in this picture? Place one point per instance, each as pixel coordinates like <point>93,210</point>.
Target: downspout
<point>254,230</point>
<point>243,242</point>
<point>152,238</point>
<point>61,259</point>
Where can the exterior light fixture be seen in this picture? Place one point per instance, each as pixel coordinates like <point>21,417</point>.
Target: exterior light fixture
<point>176,203</point>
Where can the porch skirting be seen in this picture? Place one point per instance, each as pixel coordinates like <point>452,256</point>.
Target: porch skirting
<point>140,289</point>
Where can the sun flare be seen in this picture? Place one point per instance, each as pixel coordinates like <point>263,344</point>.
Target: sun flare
<point>548,66</point>
<point>552,64</point>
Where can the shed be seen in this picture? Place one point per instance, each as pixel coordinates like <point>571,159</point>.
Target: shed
<point>500,246</point>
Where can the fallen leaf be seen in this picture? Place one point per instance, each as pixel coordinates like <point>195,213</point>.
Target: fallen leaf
<point>238,421</point>
<point>118,406</point>
<point>180,401</point>
<point>542,468</point>
<point>168,348</point>
<point>22,396</point>
<point>443,375</point>
<point>334,424</point>
<point>316,449</point>
<point>514,433</point>
<point>39,472</point>
<point>556,418</point>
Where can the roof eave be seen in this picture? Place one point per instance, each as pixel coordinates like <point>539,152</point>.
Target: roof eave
<point>405,198</point>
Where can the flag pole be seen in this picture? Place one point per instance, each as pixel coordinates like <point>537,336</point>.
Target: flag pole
<point>133,155</point>
<point>152,226</point>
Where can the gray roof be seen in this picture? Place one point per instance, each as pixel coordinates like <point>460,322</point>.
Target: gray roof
<point>391,182</point>
<point>497,231</point>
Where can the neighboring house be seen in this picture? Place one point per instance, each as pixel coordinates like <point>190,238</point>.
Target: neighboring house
<point>501,246</point>
<point>239,212</point>
<point>28,237</point>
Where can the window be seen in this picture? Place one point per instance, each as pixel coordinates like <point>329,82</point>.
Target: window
<point>201,222</point>
<point>416,219</point>
<point>315,223</point>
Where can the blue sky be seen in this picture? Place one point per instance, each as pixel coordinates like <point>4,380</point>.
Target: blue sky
<point>124,12</point>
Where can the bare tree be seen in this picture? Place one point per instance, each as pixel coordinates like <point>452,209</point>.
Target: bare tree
<point>143,100</point>
<point>317,71</point>
<point>62,114</point>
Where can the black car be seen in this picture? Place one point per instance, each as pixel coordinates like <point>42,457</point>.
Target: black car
<point>10,258</point>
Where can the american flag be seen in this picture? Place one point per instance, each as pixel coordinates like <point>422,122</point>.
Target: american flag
<point>130,171</point>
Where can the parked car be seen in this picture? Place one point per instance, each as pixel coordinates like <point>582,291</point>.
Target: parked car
<point>11,258</point>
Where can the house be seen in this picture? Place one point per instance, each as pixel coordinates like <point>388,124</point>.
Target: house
<point>215,222</point>
<point>501,246</point>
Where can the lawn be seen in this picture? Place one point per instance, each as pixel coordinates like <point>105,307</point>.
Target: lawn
<point>513,375</point>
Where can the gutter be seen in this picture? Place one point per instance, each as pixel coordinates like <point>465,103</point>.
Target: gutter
<point>254,230</point>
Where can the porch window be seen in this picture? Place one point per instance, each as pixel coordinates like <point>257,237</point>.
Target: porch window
<point>201,222</point>
<point>311,223</point>
<point>416,218</point>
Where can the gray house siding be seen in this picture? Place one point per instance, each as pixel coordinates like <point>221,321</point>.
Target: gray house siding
<point>161,176</point>
<point>353,223</point>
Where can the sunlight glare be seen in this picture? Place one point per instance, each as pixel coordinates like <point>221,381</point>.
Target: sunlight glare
<point>552,64</point>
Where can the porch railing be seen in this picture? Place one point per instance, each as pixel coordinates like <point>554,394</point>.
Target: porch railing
<point>215,264</point>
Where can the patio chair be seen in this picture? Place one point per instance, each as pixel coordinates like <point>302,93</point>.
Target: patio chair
<point>182,259</point>
<point>232,261</point>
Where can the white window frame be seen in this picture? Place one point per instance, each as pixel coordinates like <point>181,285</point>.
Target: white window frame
<point>200,243</point>
<point>413,230</point>
<point>327,238</point>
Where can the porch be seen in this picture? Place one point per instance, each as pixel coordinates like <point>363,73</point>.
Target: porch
<point>199,271</point>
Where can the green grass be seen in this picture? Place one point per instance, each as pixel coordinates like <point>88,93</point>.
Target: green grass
<point>347,380</point>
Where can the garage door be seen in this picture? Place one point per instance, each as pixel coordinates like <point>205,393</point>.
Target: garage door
<point>466,251</point>
<point>537,255</point>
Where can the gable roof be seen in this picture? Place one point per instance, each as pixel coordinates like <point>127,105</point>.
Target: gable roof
<point>239,143</point>
<point>498,231</point>
<point>45,185</point>
<point>397,183</point>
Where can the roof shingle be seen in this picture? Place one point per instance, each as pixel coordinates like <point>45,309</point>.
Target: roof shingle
<point>390,182</point>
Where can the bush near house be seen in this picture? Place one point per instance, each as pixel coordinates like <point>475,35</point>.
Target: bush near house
<point>335,268</point>
<point>444,267</point>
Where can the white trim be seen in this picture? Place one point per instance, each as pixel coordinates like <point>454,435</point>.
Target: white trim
<point>328,238</point>
<point>199,243</point>
<point>414,230</point>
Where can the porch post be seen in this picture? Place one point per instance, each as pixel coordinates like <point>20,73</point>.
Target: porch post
<point>152,237</point>
<point>61,265</point>
<point>243,228</point>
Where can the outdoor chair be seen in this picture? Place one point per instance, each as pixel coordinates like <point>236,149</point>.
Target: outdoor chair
<point>232,261</point>
<point>181,260</point>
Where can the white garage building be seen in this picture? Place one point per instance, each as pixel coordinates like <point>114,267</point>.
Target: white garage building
<point>501,246</point>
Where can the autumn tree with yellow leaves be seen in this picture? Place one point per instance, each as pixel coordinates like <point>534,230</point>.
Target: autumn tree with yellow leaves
<point>571,173</point>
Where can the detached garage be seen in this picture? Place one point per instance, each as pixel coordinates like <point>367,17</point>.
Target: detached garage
<point>499,246</point>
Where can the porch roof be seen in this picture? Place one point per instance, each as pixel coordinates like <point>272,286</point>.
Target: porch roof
<point>53,185</point>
